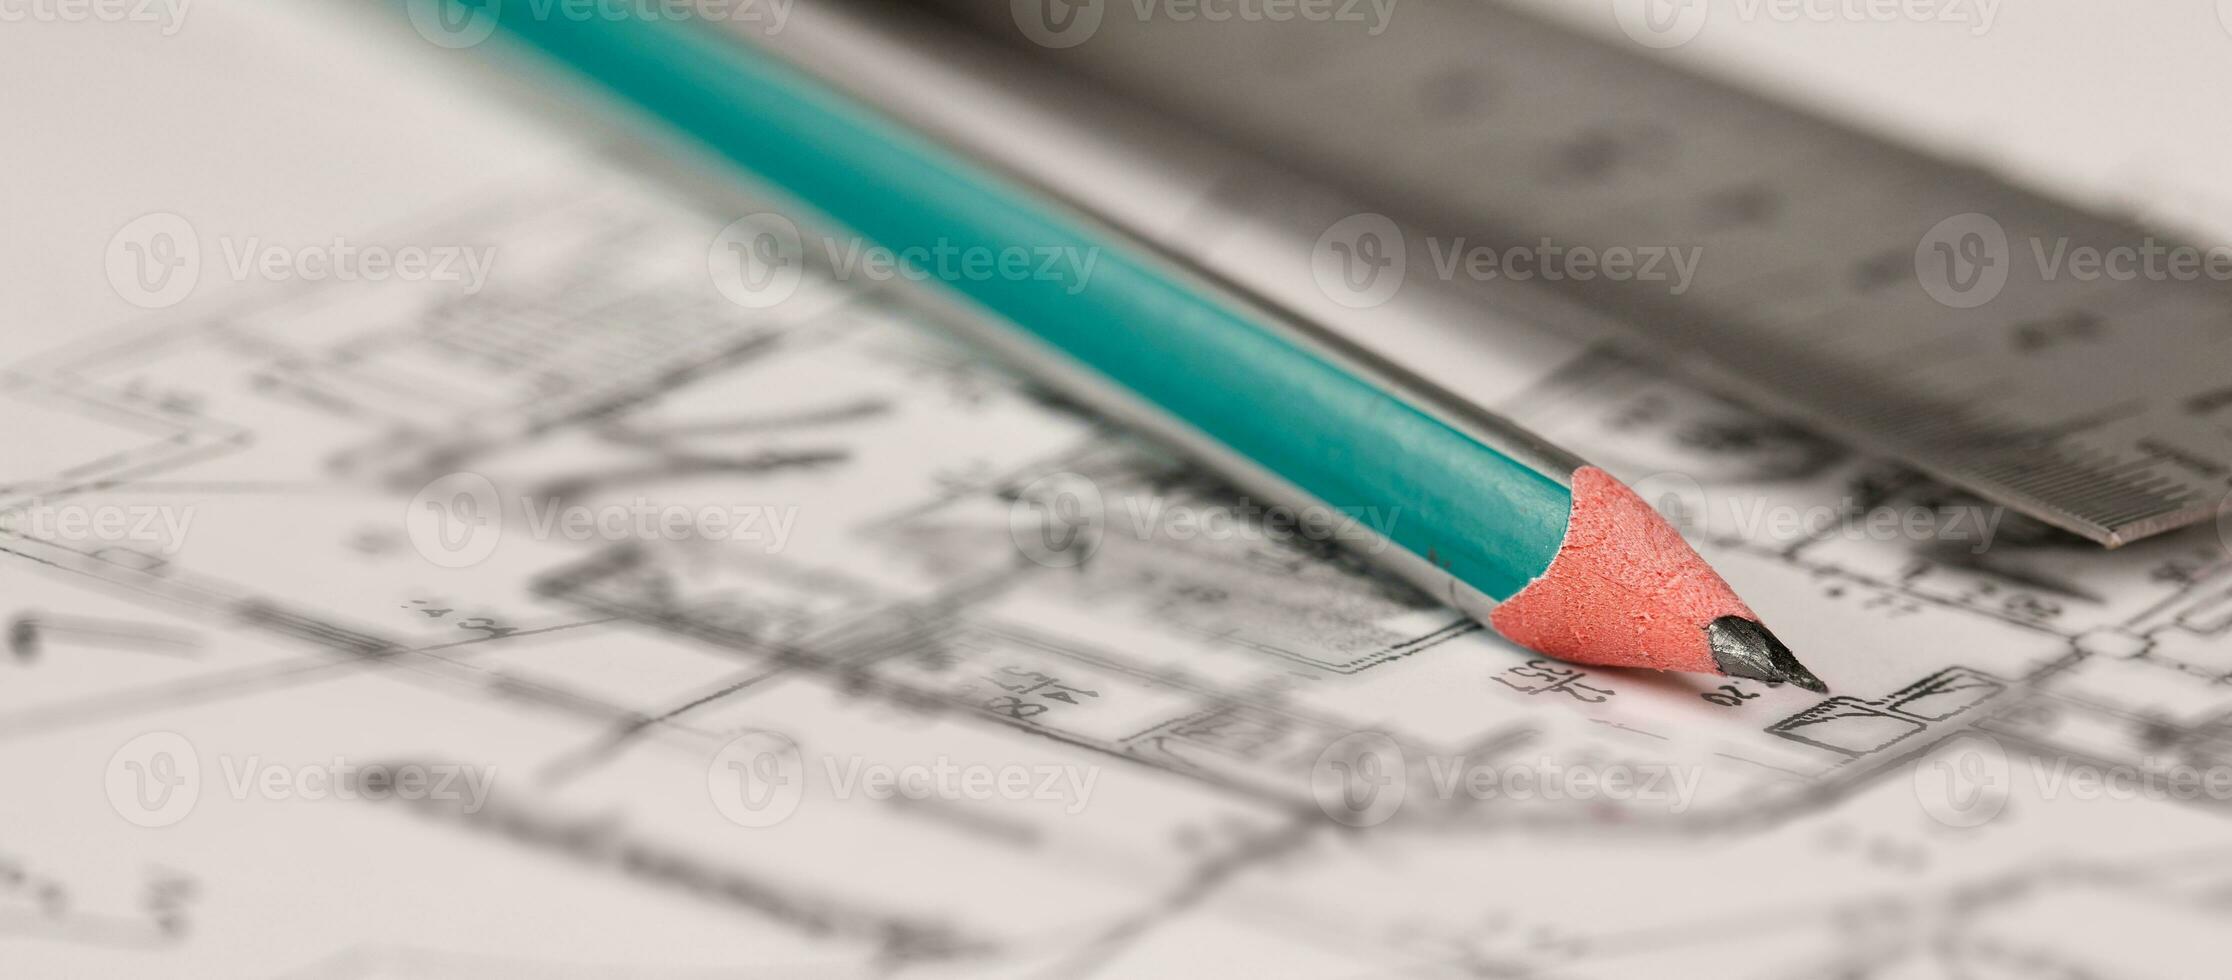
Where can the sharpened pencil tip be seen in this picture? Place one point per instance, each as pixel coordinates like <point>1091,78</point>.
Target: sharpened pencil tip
<point>1744,648</point>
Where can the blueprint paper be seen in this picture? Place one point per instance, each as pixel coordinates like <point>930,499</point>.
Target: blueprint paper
<point>591,623</point>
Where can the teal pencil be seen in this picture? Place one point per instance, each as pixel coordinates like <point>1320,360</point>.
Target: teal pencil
<point>1558,557</point>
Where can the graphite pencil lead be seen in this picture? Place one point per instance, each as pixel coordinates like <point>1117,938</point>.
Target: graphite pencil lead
<point>1744,648</point>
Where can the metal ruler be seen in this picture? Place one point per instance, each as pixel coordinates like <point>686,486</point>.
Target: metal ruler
<point>1914,306</point>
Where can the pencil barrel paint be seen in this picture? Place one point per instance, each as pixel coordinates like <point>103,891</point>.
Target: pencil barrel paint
<point>1482,517</point>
